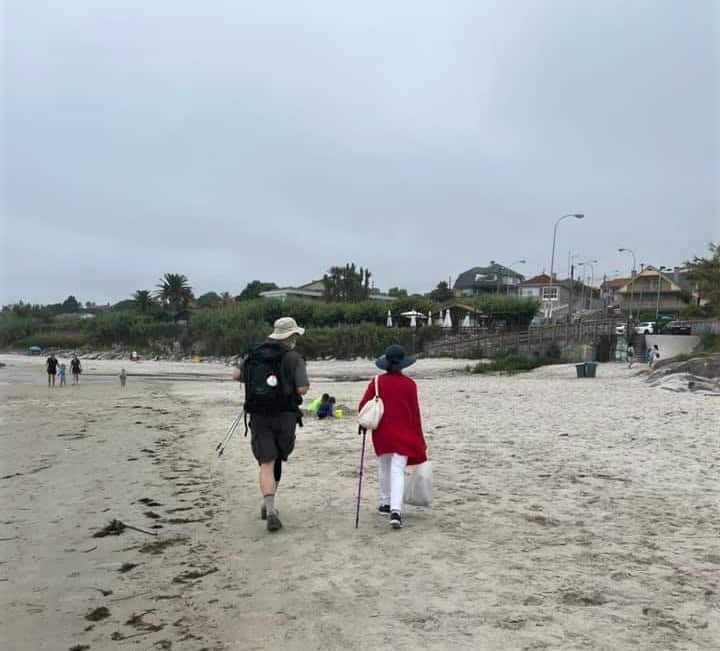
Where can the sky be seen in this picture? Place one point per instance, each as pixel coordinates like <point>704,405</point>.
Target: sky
<point>231,141</point>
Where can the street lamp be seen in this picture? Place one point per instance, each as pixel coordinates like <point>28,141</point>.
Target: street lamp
<point>660,269</point>
<point>511,266</point>
<point>591,264</point>
<point>632,281</point>
<point>576,215</point>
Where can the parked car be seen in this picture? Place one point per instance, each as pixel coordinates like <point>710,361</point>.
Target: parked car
<point>677,328</point>
<point>645,328</point>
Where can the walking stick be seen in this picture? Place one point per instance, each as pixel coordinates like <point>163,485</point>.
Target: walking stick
<point>362,463</point>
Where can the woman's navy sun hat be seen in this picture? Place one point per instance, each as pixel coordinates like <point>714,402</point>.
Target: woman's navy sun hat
<point>394,359</point>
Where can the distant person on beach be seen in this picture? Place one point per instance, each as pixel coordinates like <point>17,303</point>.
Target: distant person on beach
<point>630,355</point>
<point>123,378</point>
<point>61,374</point>
<point>398,440</point>
<point>275,381</point>
<point>326,407</point>
<point>75,369</point>
<point>654,356</point>
<point>51,366</point>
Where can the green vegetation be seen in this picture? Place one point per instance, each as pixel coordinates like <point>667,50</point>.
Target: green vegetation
<point>346,284</point>
<point>512,364</point>
<point>705,273</point>
<point>347,324</point>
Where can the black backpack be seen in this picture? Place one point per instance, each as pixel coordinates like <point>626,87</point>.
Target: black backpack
<point>266,391</point>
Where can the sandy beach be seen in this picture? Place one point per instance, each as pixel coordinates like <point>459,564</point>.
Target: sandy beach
<point>568,514</point>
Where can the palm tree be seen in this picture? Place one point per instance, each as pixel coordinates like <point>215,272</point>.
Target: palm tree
<point>143,300</point>
<point>174,291</point>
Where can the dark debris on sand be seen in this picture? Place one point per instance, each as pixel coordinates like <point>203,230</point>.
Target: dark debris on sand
<point>98,614</point>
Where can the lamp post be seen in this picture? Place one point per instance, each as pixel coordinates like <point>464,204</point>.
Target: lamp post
<point>660,269</point>
<point>575,215</point>
<point>632,281</point>
<point>510,267</point>
<point>591,264</point>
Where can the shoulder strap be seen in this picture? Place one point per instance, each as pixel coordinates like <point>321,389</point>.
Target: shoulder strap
<point>377,392</point>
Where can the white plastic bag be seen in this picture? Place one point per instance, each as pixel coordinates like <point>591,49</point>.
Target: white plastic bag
<point>418,486</point>
<point>372,411</point>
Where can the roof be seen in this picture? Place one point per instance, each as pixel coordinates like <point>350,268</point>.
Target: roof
<point>615,283</point>
<point>475,277</point>
<point>678,281</point>
<point>543,280</point>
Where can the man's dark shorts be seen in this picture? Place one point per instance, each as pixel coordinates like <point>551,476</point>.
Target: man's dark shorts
<point>272,437</point>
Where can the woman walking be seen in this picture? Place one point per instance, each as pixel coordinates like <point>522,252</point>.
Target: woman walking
<point>398,439</point>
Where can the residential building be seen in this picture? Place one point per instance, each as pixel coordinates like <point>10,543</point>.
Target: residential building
<point>493,279</point>
<point>313,291</point>
<point>559,297</point>
<point>652,289</point>
<point>610,288</point>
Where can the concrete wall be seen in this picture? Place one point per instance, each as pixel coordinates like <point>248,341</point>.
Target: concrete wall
<point>672,345</point>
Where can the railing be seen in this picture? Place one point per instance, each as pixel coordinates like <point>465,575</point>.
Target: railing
<point>537,337</point>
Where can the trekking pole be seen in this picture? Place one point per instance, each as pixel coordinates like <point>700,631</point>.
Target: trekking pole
<point>362,463</point>
<point>220,448</point>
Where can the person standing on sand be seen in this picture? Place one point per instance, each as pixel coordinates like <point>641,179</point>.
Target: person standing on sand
<point>275,381</point>
<point>123,378</point>
<point>61,374</point>
<point>630,356</point>
<point>398,440</point>
<point>51,367</point>
<point>654,356</point>
<point>75,369</point>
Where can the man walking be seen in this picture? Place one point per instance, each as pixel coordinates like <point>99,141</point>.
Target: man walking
<point>275,381</point>
<point>51,366</point>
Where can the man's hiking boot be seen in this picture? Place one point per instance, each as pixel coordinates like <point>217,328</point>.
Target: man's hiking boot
<point>395,520</point>
<point>384,509</point>
<point>263,512</point>
<point>273,521</point>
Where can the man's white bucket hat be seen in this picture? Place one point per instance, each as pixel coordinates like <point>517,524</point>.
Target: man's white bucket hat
<point>284,327</point>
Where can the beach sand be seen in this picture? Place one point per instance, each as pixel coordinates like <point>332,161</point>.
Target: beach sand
<point>568,514</point>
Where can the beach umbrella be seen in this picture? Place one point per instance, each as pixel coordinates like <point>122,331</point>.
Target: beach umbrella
<point>389,320</point>
<point>447,322</point>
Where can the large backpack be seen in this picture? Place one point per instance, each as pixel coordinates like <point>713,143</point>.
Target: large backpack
<point>266,391</point>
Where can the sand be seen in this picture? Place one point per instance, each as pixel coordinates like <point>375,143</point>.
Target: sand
<point>568,514</point>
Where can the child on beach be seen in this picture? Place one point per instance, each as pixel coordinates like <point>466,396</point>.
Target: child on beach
<point>123,378</point>
<point>61,375</point>
<point>630,355</point>
<point>326,407</point>
<point>654,356</point>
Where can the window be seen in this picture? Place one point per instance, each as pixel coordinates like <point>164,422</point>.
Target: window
<point>550,293</point>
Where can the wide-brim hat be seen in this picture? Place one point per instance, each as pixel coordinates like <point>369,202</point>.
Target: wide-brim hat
<point>394,359</point>
<point>284,327</point>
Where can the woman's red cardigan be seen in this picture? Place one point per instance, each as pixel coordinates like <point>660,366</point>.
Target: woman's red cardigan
<point>400,430</point>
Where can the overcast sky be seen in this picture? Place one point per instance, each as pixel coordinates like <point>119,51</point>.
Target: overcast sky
<point>232,141</point>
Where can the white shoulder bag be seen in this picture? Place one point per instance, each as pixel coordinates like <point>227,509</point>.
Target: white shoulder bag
<point>372,412</point>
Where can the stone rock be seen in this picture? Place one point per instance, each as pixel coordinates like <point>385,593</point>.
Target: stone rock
<point>707,367</point>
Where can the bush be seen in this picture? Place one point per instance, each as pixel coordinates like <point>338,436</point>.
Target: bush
<point>61,339</point>
<point>511,364</point>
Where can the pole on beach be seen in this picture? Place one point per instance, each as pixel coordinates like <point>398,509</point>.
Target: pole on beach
<point>360,476</point>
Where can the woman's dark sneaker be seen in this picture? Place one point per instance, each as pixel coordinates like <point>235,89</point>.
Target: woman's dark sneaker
<point>384,509</point>
<point>395,520</point>
<point>273,521</point>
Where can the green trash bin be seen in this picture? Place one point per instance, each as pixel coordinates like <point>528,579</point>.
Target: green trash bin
<point>580,368</point>
<point>590,369</point>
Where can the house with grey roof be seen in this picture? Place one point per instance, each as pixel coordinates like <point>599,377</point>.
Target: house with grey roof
<point>493,279</point>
